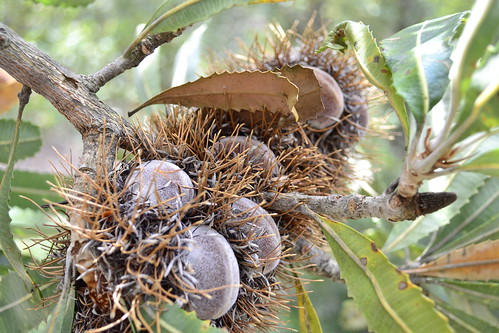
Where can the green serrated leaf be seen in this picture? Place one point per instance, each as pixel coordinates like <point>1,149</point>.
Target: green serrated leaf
<point>390,301</point>
<point>359,38</point>
<point>17,312</point>
<point>309,321</point>
<point>419,60</point>
<point>176,14</point>
<point>31,185</point>
<point>7,244</point>
<point>464,322</point>
<point>173,319</point>
<point>477,221</point>
<point>487,163</point>
<point>406,233</point>
<point>29,139</point>
<point>64,3</point>
<point>486,293</point>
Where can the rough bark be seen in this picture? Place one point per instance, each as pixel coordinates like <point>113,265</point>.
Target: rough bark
<point>389,205</point>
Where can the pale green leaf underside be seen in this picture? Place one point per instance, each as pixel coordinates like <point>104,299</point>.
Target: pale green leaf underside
<point>14,305</point>
<point>488,164</point>
<point>486,293</point>
<point>464,322</point>
<point>419,60</point>
<point>385,295</point>
<point>359,38</point>
<point>477,221</point>
<point>29,139</point>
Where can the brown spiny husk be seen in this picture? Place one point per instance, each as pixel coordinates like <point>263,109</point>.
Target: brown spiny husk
<point>288,48</point>
<point>131,252</point>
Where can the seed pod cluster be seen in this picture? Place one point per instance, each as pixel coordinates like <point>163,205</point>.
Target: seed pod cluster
<point>184,222</point>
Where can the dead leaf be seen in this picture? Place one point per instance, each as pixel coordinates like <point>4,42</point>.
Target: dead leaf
<point>320,100</point>
<point>309,98</point>
<point>234,91</point>
<point>473,262</point>
<point>9,88</point>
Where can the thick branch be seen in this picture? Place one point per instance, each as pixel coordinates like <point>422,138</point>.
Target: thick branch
<point>124,62</point>
<point>66,90</point>
<point>389,205</point>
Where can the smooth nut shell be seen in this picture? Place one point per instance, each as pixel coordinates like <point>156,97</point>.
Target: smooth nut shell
<point>332,99</point>
<point>263,229</point>
<point>215,266</point>
<point>258,154</point>
<point>161,181</point>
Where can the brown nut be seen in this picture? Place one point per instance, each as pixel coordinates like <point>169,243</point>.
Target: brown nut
<point>162,182</point>
<point>332,99</point>
<point>263,231</point>
<point>215,267</point>
<point>258,154</point>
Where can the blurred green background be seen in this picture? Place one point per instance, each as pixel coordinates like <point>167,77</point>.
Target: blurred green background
<point>86,38</point>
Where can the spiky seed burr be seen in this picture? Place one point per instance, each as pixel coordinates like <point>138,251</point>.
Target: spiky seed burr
<point>216,273</point>
<point>161,182</point>
<point>260,228</point>
<point>258,154</point>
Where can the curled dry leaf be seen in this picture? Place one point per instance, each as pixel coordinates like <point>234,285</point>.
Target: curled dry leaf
<point>473,262</point>
<point>320,100</point>
<point>233,91</point>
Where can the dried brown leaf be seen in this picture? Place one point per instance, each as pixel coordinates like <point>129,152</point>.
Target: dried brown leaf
<point>473,262</point>
<point>234,91</point>
<point>309,99</point>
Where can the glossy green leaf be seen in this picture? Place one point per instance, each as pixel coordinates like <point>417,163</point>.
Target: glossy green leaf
<point>64,3</point>
<point>29,139</point>
<point>173,319</point>
<point>481,99</point>
<point>389,300</point>
<point>477,221</point>
<point>419,60</point>
<point>7,244</point>
<point>16,306</point>
<point>176,14</point>
<point>33,186</point>
<point>464,322</point>
<point>309,321</point>
<point>487,163</point>
<point>359,38</point>
<point>476,57</point>
<point>406,233</point>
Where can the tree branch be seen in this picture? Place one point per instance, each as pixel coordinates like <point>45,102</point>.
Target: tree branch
<point>321,262</point>
<point>389,205</point>
<point>124,62</point>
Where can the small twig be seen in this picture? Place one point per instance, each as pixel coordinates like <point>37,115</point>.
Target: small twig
<point>129,60</point>
<point>322,263</point>
<point>389,205</point>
